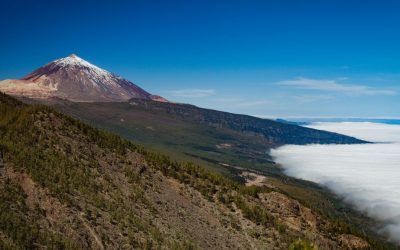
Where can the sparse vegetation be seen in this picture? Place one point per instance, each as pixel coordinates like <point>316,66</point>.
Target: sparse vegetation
<point>301,245</point>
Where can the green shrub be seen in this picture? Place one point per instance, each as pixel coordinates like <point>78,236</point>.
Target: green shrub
<point>302,245</point>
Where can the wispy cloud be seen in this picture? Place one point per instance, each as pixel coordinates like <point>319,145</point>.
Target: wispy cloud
<point>192,93</point>
<point>229,99</point>
<point>241,102</point>
<point>334,86</point>
<point>312,98</point>
<point>252,103</point>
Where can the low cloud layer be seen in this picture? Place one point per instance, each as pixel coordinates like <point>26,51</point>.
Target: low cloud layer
<point>369,131</point>
<point>367,176</point>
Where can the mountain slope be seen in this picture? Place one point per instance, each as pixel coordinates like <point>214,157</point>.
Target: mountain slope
<point>217,139</point>
<point>66,185</point>
<point>276,133</point>
<point>75,79</point>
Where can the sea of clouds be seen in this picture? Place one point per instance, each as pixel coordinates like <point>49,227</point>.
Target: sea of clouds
<point>366,175</point>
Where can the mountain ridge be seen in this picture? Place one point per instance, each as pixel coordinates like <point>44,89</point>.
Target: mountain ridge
<point>270,129</point>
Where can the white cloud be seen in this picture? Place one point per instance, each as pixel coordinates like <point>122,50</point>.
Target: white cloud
<point>366,175</point>
<point>229,99</point>
<point>252,103</point>
<point>334,86</point>
<point>241,102</point>
<point>312,98</point>
<point>192,93</point>
<point>375,132</point>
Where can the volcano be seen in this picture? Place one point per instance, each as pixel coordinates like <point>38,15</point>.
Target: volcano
<point>74,79</point>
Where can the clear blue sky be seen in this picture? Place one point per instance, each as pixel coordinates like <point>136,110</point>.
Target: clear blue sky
<point>268,58</point>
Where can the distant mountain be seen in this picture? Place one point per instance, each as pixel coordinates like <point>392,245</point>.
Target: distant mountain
<point>75,79</point>
<point>274,132</point>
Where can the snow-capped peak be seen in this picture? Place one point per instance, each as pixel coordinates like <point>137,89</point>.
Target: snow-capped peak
<point>95,73</point>
<point>75,60</point>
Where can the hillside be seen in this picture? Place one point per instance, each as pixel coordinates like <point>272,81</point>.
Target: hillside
<point>66,185</point>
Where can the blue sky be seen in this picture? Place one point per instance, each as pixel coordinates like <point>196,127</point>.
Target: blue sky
<point>268,58</point>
